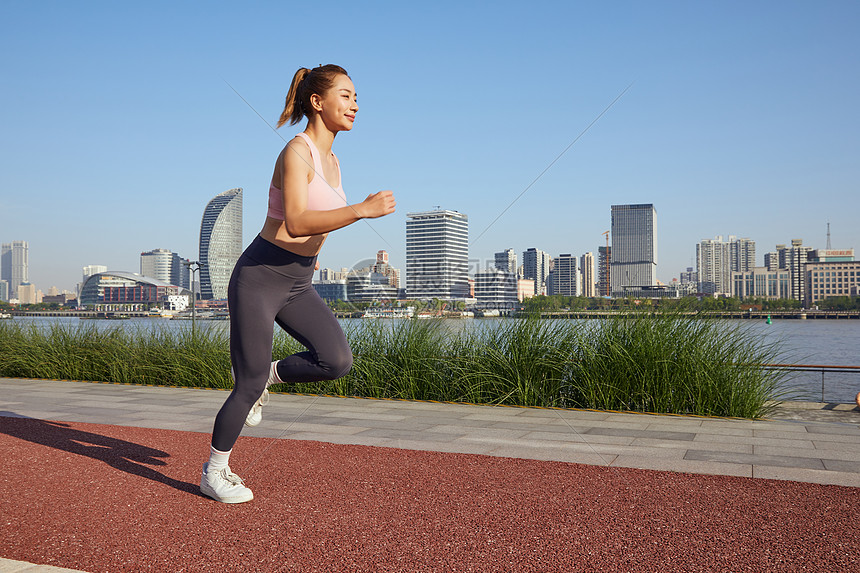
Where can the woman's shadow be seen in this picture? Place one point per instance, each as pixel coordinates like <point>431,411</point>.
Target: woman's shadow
<point>120,454</point>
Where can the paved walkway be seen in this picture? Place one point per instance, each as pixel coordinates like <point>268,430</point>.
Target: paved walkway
<point>807,444</point>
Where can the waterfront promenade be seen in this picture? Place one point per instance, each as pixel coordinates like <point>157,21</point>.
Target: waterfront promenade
<point>104,477</point>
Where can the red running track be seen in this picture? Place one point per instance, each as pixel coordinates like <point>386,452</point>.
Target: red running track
<point>111,498</point>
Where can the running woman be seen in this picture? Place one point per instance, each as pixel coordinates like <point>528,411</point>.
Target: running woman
<point>271,282</point>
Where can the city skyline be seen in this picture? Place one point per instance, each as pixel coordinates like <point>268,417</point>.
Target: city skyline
<point>740,119</point>
<point>478,264</point>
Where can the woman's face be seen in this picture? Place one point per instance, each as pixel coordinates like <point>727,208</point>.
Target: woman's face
<point>339,106</point>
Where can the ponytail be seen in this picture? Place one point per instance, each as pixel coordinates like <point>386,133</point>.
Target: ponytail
<point>306,83</point>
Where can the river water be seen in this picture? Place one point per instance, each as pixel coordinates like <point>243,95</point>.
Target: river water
<point>812,342</point>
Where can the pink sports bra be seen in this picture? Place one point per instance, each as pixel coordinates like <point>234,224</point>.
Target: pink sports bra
<point>321,195</point>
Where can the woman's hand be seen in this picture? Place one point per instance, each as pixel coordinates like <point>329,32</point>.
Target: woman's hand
<point>377,205</point>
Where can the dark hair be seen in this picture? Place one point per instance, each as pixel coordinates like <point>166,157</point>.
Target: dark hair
<point>306,83</point>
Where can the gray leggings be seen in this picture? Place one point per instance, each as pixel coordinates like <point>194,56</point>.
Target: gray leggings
<point>272,285</point>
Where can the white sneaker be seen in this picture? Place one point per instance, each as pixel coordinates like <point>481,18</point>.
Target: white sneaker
<point>224,486</point>
<point>255,416</point>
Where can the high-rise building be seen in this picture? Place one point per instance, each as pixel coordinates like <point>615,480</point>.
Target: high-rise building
<point>384,268</point>
<point>634,247</point>
<point>506,261</point>
<point>14,265</point>
<point>586,265</point>
<point>4,290</point>
<point>564,276</point>
<point>27,294</point>
<point>717,259</point>
<point>91,270</point>
<point>604,255</point>
<point>794,259</point>
<point>220,243</point>
<point>761,282</point>
<point>742,252</point>
<point>536,266</point>
<point>690,277</point>
<point>771,261</point>
<point>437,255</point>
<point>713,264</point>
<point>165,266</point>
<point>496,289</point>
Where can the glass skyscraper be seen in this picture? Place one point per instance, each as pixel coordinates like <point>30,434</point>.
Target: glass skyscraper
<point>536,266</point>
<point>14,265</point>
<point>220,242</point>
<point>633,257</point>
<point>437,255</point>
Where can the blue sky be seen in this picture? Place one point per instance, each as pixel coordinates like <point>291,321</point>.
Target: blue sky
<point>118,126</point>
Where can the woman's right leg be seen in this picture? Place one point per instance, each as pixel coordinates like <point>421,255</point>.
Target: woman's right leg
<point>255,295</point>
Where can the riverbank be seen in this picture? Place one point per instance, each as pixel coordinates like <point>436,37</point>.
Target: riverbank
<point>667,363</point>
<point>572,314</point>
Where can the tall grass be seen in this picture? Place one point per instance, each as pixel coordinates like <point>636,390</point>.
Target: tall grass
<point>160,356</point>
<point>662,363</point>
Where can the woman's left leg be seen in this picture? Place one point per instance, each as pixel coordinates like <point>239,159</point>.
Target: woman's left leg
<point>308,319</point>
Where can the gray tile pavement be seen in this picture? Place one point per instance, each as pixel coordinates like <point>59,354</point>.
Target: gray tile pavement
<point>802,443</point>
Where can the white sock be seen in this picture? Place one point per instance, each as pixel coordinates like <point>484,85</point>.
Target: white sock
<point>218,459</point>
<point>277,377</point>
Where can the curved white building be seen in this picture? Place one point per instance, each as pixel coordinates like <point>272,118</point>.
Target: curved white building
<point>220,242</point>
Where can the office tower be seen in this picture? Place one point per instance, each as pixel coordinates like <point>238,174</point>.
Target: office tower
<point>564,276</point>
<point>713,264</point>
<point>690,276</point>
<point>794,259</point>
<point>27,294</point>
<point>761,282</point>
<point>536,266</point>
<point>742,253</point>
<point>437,255</point>
<point>830,277</point>
<point>604,254</point>
<point>383,268</point>
<point>165,266</point>
<point>4,290</point>
<point>14,265</point>
<point>586,265</point>
<point>771,261</point>
<point>506,261</point>
<point>91,270</point>
<point>86,273</point>
<point>220,243</point>
<point>634,247</point>
<point>496,289</point>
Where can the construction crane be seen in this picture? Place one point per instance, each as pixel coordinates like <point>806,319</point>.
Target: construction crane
<point>606,289</point>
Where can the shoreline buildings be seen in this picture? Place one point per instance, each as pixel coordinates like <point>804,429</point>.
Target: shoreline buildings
<point>536,266</point>
<point>563,279</point>
<point>166,266</point>
<point>718,260</point>
<point>633,256</point>
<point>122,291</point>
<point>220,243</point>
<point>586,265</point>
<point>14,267</point>
<point>437,255</point>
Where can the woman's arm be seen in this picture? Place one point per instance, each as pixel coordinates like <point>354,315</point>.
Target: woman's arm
<point>302,222</point>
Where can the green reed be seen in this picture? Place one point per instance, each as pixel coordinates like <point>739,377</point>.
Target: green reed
<point>637,362</point>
